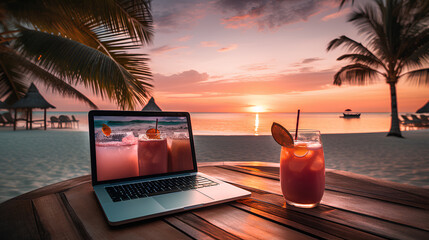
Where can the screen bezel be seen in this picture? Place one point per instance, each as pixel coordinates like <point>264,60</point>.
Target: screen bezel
<point>101,113</point>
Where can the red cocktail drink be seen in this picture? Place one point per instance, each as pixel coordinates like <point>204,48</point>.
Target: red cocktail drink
<point>302,171</point>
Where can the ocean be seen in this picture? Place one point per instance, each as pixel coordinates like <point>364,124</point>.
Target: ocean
<point>260,123</point>
<point>33,159</point>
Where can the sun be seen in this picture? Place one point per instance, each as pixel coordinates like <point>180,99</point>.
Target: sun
<point>257,109</point>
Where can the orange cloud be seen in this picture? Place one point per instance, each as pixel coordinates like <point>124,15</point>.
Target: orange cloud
<point>256,67</point>
<point>336,14</point>
<point>164,49</point>
<point>229,48</point>
<point>184,38</point>
<point>193,82</point>
<point>209,44</point>
<point>237,18</point>
<point>236,22</point>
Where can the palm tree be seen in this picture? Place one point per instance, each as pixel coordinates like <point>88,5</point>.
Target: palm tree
<point>65,43</point>
<point>397,36</point>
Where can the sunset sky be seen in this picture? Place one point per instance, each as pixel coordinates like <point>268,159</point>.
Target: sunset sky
<point>265,55</point>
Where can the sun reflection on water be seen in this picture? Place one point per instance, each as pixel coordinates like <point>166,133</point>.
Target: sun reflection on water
<point>256,124</point>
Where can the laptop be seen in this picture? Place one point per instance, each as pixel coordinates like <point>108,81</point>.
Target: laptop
<point>143,165</point>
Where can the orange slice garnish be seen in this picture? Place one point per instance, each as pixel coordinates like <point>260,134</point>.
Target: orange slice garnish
<point>153,133</point>
<point>106,130</point>
<point>300,150</point>
<point>281,135</point>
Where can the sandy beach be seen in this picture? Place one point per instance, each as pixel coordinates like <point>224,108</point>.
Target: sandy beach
<point>32,159</point>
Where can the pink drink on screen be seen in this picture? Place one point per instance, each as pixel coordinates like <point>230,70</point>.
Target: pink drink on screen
<point>180,155</point>
<point>302,173</point>
<point>152,155</point>
<point>116,160</point>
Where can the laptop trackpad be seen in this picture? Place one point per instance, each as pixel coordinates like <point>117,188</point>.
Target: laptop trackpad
<point>182,199</point>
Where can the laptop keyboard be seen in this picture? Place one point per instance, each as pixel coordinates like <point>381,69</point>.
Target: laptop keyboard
<point>153,188</point>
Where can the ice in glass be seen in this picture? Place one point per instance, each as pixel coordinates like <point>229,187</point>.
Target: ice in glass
<point>116,156</point>
<point>302,170</point>
<point>179,153</point>
<point>152,155</point>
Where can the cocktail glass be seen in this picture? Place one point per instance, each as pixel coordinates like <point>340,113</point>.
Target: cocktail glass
<point>179,153</point>
<point>302,170</point>
<point>116,156</point>
<point>152,155</point>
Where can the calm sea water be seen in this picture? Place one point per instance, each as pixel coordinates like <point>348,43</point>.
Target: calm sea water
<point>260,123</point>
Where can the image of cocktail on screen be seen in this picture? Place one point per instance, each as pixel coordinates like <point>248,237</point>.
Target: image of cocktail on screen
<point>116,155</point>
<point>179,153</point>
<point>152,152</point>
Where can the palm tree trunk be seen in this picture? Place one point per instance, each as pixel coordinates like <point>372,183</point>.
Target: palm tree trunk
<point>394,124</point>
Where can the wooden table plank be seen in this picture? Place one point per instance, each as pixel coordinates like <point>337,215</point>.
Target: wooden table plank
<point>393,189</point>
<point>55,188</point>
<point>17,220</point>
<point>249,180</point>
<point>353,184</point>
<point>310,230</point>
<point>354,206</point>
<point>194,232</point>
<point>193,220</point>
<point>245,225</point>
<point>51,207</point>
<point>393,212</point>
<point>87,209</point>
<point>336,221</point>
<point>361,205</point>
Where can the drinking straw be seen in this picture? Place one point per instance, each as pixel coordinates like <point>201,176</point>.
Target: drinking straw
<point>297,123</point>
<point>156,126</point>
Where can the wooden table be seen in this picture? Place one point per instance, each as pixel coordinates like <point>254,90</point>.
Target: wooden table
<point>353,207</point>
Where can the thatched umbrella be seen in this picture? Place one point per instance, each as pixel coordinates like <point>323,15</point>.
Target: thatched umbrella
<point>33,99</point>
<point>424,109</point>
<point>151,106</point>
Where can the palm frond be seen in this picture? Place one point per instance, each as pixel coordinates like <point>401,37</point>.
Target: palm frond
<point>12,83</point>
<point>360,58</point>
<point>129,17</point>
<point>139,13</point>
<point>419,17</point>
<point>52,82</point>
<point>343,2</point>
<point>111,44</point>
<point>351,45</point>
<point>415,50</point>
<point>418,77</point>
<point>356,74</point>
<point>78,63</point>
<point>370,24</point>
<point>366,18</point>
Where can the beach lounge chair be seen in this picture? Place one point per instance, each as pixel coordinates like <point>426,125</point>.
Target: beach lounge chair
<point>75,121</point>
<point>2,121</point>
<point>417,121</point>
<point>425,120</point>
<point>66,120</point>
<point>406,120</point>
<point>53,121</point>
<point>8,118</point>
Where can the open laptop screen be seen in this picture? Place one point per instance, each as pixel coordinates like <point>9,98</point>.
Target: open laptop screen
<point>138,144</point>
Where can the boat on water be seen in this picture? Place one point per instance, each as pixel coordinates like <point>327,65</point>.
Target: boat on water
<point>348,113</point>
